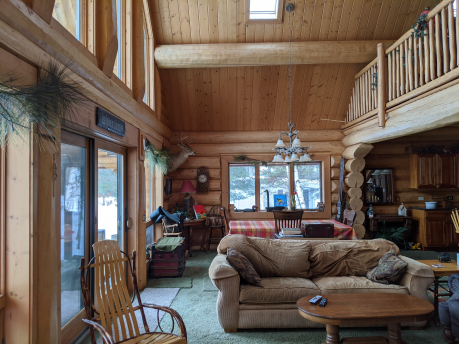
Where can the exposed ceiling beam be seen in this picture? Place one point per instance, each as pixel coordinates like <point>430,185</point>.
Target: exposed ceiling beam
<point>264,54</point>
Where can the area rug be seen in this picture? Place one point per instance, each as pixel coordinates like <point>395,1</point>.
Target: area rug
<point>179,282</point>
<point>207,283</point>
<point>157,296</point>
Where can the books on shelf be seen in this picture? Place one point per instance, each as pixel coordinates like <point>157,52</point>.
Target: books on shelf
<point>200,213</point>
<point>291,231</point>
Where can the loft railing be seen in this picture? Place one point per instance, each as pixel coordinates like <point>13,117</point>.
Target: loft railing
<point>411,66</point>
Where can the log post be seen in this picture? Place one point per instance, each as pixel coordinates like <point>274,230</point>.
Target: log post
<point>106,37</point>
<point>381,83</point>
<point>138,52</point>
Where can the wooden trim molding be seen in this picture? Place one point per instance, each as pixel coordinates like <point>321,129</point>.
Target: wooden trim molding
<point>44,8</point>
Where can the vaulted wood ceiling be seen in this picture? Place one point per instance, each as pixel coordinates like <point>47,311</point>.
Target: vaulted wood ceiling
<point>257,98</point>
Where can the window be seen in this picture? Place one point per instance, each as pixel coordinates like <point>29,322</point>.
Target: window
<point>68,14</point>
<point>117,65</point>
<point>242,185</point>
<point>149,191</point>
<point>149,60</point>
<point>273,185</point>
<point>264,10</point>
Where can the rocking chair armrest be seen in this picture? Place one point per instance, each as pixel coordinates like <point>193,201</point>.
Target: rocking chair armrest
<point>173,313</point>
<point>106,337</point>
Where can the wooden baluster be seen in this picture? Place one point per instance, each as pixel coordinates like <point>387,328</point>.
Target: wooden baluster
<point>390,80</point>
<point>415,51</point>
<point>431,47</point>
<point>420,58</point>
<point>452,49</point>
<point>401,68</point>
<point>374,70</point>
<point>363,98</point>
<point>381,83</point>
<point>410,52</point>
<point>360,98</point>
<point>406,63</point>
<point>398,83</point>
<point>426,48</point>
<point>393,67</point>
<point>438,44</point>
<point>366,89</point>
<point>355,103</point>
<point>445,48</point>
<point>371,81</point>
<point>456,29</point>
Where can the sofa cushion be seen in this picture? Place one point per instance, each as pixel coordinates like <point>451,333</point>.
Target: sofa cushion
<point>271,258</point>
<point>278,290</point>
<point>348,258</point>
<point>244,267</point>
<point>390,270</point>
<point>355,285</point>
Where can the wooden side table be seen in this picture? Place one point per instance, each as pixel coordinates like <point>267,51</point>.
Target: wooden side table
<point>188,227</point>
<point>374,221</point>
<point>450,268</point>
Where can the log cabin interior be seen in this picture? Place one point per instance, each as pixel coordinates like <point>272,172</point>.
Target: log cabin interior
<point>337,118</point>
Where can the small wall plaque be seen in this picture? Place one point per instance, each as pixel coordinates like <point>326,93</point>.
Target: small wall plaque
<point>109,122</point>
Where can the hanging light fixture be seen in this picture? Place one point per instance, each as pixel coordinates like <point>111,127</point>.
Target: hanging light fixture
<point>295,148</point>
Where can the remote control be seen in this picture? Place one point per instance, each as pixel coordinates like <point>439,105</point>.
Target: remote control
<point>323,303</point>
<point>315,299</point>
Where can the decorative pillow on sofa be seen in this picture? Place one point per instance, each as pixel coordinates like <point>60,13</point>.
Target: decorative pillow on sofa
<point>244,267</point>
<point>390,270</point>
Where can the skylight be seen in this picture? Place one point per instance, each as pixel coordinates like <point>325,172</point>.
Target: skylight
<point>263,9</point>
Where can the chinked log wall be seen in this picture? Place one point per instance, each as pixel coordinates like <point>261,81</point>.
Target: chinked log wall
<point>209,146</point>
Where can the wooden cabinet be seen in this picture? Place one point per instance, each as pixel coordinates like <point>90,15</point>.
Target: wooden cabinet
<point>434,229</point>
<point>431,171</point>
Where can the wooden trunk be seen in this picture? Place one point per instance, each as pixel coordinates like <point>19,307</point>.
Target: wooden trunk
<point>167,264</point>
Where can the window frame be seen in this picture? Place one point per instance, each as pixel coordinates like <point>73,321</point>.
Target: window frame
<point>323,158</point>
<point>279,15</point>
<point>149,61</point>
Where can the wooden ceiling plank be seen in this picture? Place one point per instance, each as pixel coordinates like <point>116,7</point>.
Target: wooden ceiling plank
<point>204,21</point>
<point>364,19</point>
<point>316,21</point>
<point>199,95</point>
<point>232,98</point>
<point>232,14</point>
<point>263,101</point>
<point>312,95</point>
<point>248,90</point>
<point>407,9</point>
<point>335,20</point>
<point>381,21</point>
<point>184,19</point>
<point>216,99</point>
<point>213,21</point>
<point>241,29</point>
<point>413,13</point>
<point>298,80</point>
<point>256,98</point>
<point>346,14</point>
<point>185,107</point>
<point>259,33</point>
<point>296,20</point>
<point>281,90</point>
<point>339,85</point>
<point>326,106</point>
<point>355,19</point>
<point>326,20</point>
<point>192,101</point>
<point>174,99</point>
<point>303,111</point>
<point>309,9</point>
<point>208,98</point>
<point>285,110</point>
<point>194,16</point>
<point>320,96</point>
<point>240,87</point>
<point>222,21</point>
<point>268,33</point>
<point>165,21</point>
<point>156,21</point>
<point>346,93</point>
<point>274,77</point>
<point>223,84</point>
<point>395,10</point>
<point>373,17</point>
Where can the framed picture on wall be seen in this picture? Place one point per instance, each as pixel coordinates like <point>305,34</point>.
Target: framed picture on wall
<point>280,200</point>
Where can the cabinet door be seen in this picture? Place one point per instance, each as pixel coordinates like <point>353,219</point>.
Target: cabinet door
<point>436,233</point>
<point>423,171</point>
<point>451,236</point>
<point>447,170</point>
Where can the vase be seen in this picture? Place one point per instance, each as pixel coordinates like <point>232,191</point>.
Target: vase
<point>292,208</point>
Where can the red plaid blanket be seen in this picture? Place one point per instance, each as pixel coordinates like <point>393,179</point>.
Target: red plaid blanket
<point>266,229</point>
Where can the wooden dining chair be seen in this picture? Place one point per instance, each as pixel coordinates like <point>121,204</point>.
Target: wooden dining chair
<point>287,219</point>
<point>170,229</point>
<point>217,218</point>
<point>349,217</point>
<point>115,308</point>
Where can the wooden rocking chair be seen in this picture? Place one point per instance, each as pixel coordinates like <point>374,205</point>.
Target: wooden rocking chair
<point>114,305</point>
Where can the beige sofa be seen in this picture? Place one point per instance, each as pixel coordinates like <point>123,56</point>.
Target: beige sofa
<point>291,269</point>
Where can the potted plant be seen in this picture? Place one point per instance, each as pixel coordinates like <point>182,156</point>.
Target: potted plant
<point>292,199</point>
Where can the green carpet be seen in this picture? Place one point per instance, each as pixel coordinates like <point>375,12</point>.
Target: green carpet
<point>179,282</point>
<point>198,310</point>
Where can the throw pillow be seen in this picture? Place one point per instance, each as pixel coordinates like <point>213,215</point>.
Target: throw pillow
<point>390,270</point>
<point>244,267</point>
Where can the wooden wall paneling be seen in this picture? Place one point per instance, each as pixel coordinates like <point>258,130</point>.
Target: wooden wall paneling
<point>313,94</point>
<point>326,20</point>
<point>339,88</point>
<point>256,98</point>
<point>214,184</point>
<point>185,19</point>
<point>248,91</point>
<point>193,13</point>
<point>208,99</point>
<point>240,87</point>
<point>320,97</point>
<point>326,107</point>
<point>165,22</point>
<point>184,117</point>
<point>299,78</point>
<point>264,93</point>
<point>200,101</point>
<point>215,99</point>
<point>232,99</point>
<point>203,20</point>
<point>271,104</point>
<point>223,95</point>
<point>190,174</point>
<point>281,90</point>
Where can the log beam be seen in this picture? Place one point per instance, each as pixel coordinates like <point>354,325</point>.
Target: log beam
<point>264,54</point>
<point>138,52</point>
<point>44,8</point>
<point>106,37</point>
<point>359,150</point>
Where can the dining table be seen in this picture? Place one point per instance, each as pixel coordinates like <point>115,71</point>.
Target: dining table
<point>266,229</point>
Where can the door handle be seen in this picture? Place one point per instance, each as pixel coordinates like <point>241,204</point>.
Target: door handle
<point>129,223</point>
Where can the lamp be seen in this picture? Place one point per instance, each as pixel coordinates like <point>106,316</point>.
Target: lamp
<point>278,158</point>
<point>294,157</point>
<point>296,142</point>
<point>187,187</point>
<point>287,159</point>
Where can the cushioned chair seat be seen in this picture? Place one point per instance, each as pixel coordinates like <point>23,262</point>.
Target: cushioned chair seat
<point>278,290</point>
<point>355,285</point>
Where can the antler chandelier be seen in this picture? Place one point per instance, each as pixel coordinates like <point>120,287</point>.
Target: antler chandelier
<point>295,151</point>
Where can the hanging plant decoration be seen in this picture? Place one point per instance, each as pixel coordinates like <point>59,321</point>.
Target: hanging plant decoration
<point>244,159</point>
<point>157,157</point>
<point>421,24</point>
<point>46,104</point>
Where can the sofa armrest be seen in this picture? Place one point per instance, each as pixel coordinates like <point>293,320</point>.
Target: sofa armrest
<point>227,280</point>
<point>418,277</point>
<point>220,268</point>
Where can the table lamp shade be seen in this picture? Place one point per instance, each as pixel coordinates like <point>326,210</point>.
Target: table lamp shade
<point>187,186</point>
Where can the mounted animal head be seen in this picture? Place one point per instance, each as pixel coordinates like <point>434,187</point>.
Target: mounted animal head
<point>179,158</point>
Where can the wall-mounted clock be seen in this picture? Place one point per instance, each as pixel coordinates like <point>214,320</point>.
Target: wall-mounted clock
<point>202,180</point>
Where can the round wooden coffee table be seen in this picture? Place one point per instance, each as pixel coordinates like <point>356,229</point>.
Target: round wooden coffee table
<point>366,310</point>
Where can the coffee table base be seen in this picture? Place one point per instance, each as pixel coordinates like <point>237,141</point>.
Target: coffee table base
<point>394,336</point>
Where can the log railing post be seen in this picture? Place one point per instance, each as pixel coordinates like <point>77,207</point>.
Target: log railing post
<point>381,84</point>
